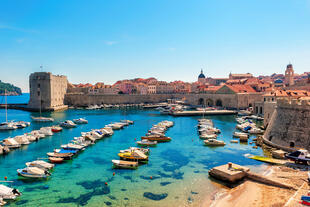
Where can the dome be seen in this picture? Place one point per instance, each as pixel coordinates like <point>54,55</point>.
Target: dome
<point>201,75</point>
<point>278,81</point>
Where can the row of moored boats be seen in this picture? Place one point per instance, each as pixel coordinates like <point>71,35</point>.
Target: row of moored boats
<point>209,133</point>
<point>132,157</point>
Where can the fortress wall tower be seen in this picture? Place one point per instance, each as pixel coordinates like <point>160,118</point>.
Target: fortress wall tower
<point>290,124</point>
<point>49,89</point>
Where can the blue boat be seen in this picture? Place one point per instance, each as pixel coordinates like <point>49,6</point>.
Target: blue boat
<point>305,198</point>
<point>73,151</point>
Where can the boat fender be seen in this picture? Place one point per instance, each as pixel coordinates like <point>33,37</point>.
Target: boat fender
<point>151,177</point>
<point>5,178</point>
<point>106,183</point>
<point>113,173</point>
<point>135,139</point>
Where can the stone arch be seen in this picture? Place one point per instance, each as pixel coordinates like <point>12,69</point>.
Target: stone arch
<point>250,105</point>
<point>201,101</point>
<point>219,102</point>
<point>292,144</point>
<point>209,102</point>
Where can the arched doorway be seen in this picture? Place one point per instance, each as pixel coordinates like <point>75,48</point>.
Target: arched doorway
<point>201,101</point>
<point>209,102</point>
<point>218,102</point>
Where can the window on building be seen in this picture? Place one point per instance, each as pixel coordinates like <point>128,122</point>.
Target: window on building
<point>38,93</point>
<point>39,85</point>
<point>264,99</point>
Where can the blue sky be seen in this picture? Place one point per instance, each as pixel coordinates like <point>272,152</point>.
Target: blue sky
<point>101,40</point>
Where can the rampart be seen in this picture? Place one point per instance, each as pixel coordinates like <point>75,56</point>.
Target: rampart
<point>290,124</point>
<point>239,100</point>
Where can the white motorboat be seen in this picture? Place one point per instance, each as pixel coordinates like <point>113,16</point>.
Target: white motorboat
<point>11,143</point>
<point>40,164</point>
<point>68,124</point>
<point>208,136</point>
<point>72,146</point>
<point>33,172</point>
<point>240,134</point>
<point>214,142</point>
<point>22,140</point>
<point>47,131</point>
<point>7,126</point>
<point>8,193</point>
<point>80,121</point>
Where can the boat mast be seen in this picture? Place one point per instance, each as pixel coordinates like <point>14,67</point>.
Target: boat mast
<point>6,107</point>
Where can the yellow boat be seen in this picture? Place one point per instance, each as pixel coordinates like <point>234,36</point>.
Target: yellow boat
<point>134,155</point>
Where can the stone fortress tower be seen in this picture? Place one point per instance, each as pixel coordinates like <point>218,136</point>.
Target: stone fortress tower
<point>201,78</point>
<point>48,89</point>
<point>289,75</point>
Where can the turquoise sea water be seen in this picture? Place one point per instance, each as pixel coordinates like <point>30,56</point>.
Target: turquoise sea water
<point>179,169</point>
<point>24,98</point>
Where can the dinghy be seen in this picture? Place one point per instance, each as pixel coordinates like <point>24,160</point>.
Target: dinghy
<point>33,172</point>
<point>40,164</point>
<point>124,164</point>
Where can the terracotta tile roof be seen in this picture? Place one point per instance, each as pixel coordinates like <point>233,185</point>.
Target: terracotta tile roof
<point>289,93</point>
<point>239,88</point>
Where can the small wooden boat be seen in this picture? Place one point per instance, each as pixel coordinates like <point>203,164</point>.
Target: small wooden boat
<point>66,156</point>
<point>56,129</point>
<point>134,156</point>
<point>40,164</point>
<point>157,138</point>
<point>33,172</point>
<point>214,142</point>
<point>56,160</point>
<point>144,150</point>
<point>124,164</point>
<point>147,143</point>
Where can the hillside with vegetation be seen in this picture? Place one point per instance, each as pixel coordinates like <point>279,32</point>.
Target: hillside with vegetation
<point>9,88</point>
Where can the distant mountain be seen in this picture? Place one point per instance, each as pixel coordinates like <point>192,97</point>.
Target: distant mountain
<point>10,89</point>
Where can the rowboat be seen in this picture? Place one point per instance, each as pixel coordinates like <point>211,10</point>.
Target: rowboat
<point>157,138</point>
<point>40,164</point>
<point>124,164</point>
<point>144,150</point>
<point>147,143</point>
<point>134,156</point>
<point>57,160</point>
<point>66,156</point>
<point>33,172</point>
<point>56,129</point>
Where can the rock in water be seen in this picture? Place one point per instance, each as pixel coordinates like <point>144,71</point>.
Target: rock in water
<point>155,197</point>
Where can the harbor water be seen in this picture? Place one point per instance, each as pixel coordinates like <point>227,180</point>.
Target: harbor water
<point>176,174</point>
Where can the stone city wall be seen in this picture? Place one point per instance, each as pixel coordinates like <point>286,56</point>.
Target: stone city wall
<point>225,100</point>
<point>290,124</point>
